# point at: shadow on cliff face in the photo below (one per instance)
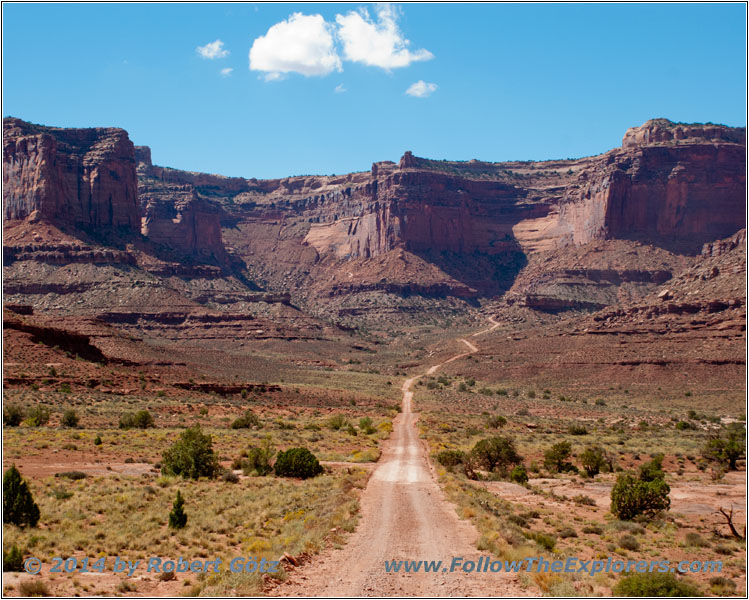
(491, 274)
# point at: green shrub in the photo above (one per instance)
(546, 541)
(13, 559)
(191, 456)
(13, 415)
(496, 454)
(97, 440)
(351, 430)
(258, 459)
(69, 418)
(684, 425)
(595, 529)
(65, 388)
(727, 446)
(33, 588)
(695, 539)
(297, 462)
(519, 475)
(38, 416)
(248, 420)
(722, 586)
(177, 516)
(567, 532)
(642, 585)
(19, 507)
(366, 425)
(555, 458)
(230, 476)
(594, 459)
(583, 500)
(496, 422)
(336, 422)
(450, 458)
(139, 420)
(629, 542)
(578, 430)
(653, 469)
(72, 475)
(644, 495)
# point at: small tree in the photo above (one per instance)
(140, 420)
(727, 447)
(178, 517)
(38, 416)
(13, 559)
(297, 462)
(555, 458)
(496, 422)
(647, 494)
(19, 507)
(336, 422)
(143, 419)
(451, 458)
(653, 469)
(593, 460)
(247, 421)
(496, 454)
(191, 456)
(258, 458)
(13, 415)
(519, 475)
(69, 418)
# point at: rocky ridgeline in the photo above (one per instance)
(477, 225)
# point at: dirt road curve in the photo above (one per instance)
(404, 517)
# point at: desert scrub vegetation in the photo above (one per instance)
(645, 494)
(495, 456)
(128, 516)
(19, 507)
(140, 420)
(297, 462)
(191, 456)
(727, 446)
(248, 420)
(655, 584)
(502, 531)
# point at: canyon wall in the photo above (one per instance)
(471, 226)
(82, 178)
(175, 216)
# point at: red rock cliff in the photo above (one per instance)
(75, 177)
(175, 216)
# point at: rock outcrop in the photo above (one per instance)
(78, 178)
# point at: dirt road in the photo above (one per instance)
(404, 517)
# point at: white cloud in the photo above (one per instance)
(377, 44)
(339, 89)
(421, 89)
(226, 72)
(213, 50)
(302, 44)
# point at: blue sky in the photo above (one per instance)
(493, 81)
